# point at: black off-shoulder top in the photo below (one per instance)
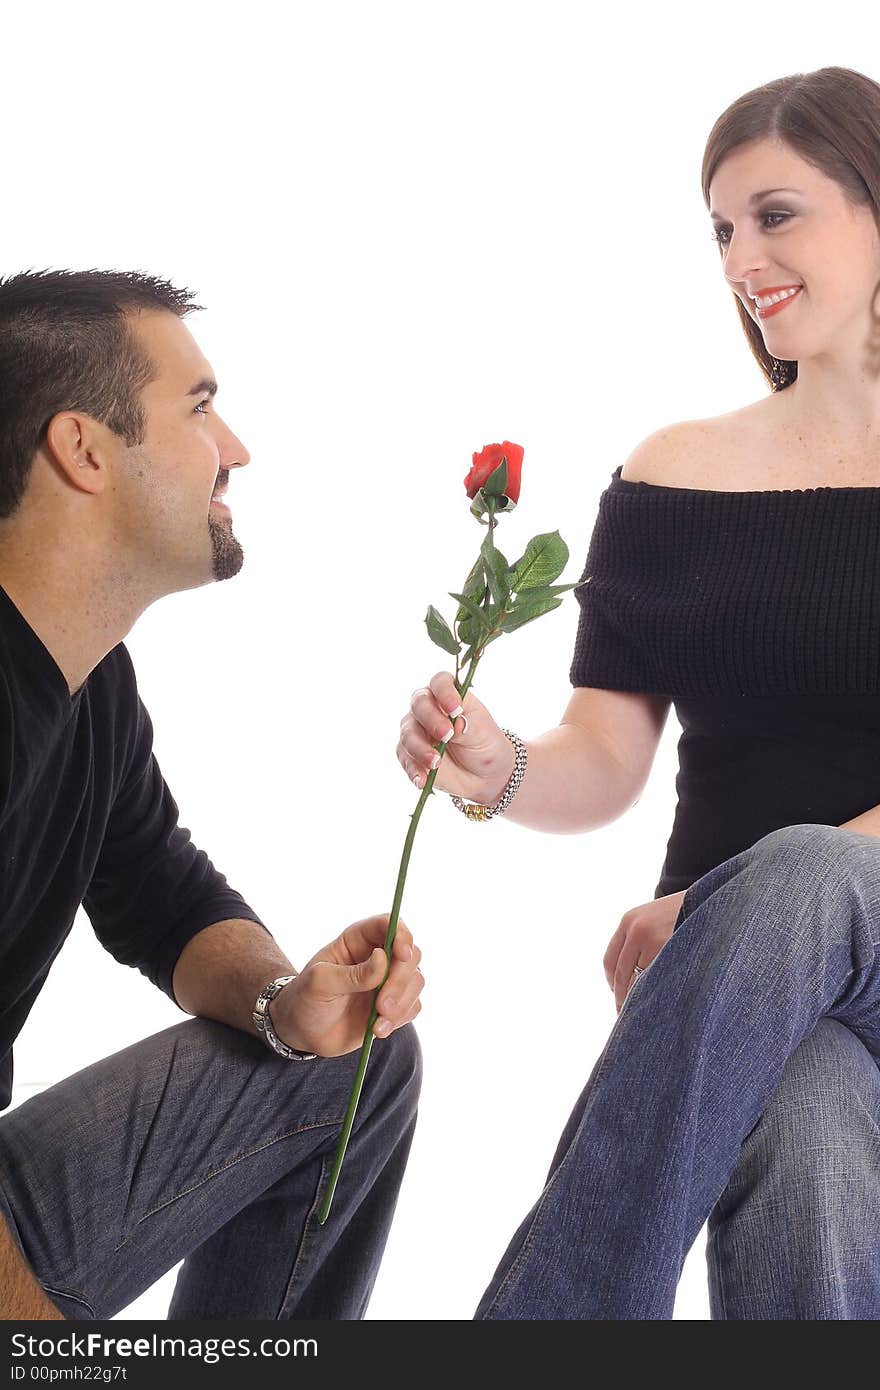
(758, 614)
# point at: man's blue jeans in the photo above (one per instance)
(740, 1085)
(200, 1144)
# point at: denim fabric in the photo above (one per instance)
(759, 1018)
(796, 1233)
(200, 1144)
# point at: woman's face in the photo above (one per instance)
(803, 233)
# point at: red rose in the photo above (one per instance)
(485, 463)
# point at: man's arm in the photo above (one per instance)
(152, 891)
(222, 969)
(21, 1297)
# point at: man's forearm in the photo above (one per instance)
(21, 1295)
(222, 969)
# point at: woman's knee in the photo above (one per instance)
(806, 855)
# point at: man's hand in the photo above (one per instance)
(642, 931)
(325, 1009)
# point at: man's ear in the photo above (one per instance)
(78, 447)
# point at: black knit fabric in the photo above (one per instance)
(758, 614)
(86, 817)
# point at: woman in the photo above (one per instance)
(734, 570)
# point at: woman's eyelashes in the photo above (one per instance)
(721, 233)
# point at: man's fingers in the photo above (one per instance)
(375, 929)
(331, 980)
(399, 993)
(404, 947)
(384, 1026)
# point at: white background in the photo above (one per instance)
(416, 229)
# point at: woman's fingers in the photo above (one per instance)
(624, 975)
(428, 722)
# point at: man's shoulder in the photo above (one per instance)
(117, 716)
(114, 674)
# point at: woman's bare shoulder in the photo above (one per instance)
(690, 453)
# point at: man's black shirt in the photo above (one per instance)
(87, 819)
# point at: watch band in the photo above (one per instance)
(263, 1022)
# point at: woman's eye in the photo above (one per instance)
(198, 409)
(720, 234)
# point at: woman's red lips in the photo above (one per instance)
(780, 303)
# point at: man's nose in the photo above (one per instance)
(233, 452)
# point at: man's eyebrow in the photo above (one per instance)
(208, 384)
(756, 198)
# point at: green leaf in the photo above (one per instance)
(469, 606)
(526, 612)
(475, 584)
(467, 629)
(485, 617)
(475, 590)
(544, 560)
(496, 483)
(479, 505)
(439, 631)
(497, 571)
(547, 591)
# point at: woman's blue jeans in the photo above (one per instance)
(200, 1144)
(740, 1086)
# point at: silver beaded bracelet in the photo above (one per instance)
(474, 811)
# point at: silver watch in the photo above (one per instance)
(263, 1022)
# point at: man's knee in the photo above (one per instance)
(396, 1062)
(240, 1066)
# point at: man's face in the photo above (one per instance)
(164, 491)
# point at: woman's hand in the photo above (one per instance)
(477, 765)
(642, 931)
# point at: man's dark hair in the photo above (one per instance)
(65, 344)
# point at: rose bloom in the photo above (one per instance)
(486, 462)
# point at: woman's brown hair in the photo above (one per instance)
(831, 119)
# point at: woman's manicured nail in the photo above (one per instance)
(454, 713)
(435, 761)
(383, 1027)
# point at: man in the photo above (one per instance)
(211, 1141)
